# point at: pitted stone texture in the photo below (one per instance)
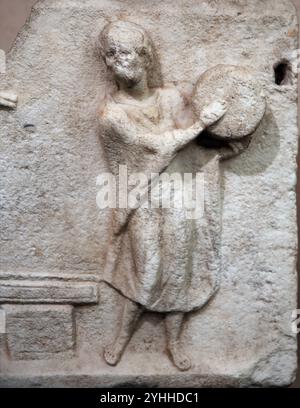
(50, 221)
(39, 332)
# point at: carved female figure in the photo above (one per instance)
(158, 260)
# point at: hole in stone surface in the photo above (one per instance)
(283, 73)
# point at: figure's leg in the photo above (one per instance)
(174, 322)
(130, 316)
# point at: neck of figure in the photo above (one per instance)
(138, 90)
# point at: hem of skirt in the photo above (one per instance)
(150, 308)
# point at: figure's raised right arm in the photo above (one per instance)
(170, 142)
(167, 143)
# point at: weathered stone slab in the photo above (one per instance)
(39, 332)
(32, 292)
(51, 156)
(42, 289)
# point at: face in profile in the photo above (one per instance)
(125, 52)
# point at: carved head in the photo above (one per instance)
(127, 51)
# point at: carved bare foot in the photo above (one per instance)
(180, 359)
(213, 112)
(8, 99)
(113, 353)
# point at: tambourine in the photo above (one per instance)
(237, 86)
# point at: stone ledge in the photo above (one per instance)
(42, 288)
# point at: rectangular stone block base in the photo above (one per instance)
(39, 332)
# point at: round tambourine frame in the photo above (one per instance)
(245, 101)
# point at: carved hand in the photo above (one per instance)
(213, 112)
(8, 99)
(210, 114)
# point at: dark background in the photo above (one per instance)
(13, 14)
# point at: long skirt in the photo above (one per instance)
(167, 260)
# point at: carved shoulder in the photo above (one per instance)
(113, 119)
(109, 114)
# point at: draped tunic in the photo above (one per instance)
(161, 258)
